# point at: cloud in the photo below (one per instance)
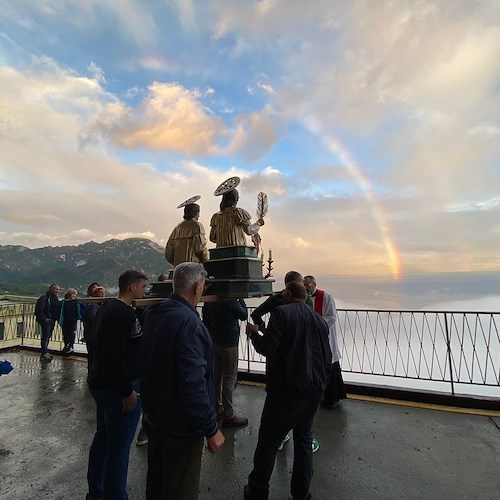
(298, 242)
(123, 236)
(487, 131)
(169, 117)
(255, 133)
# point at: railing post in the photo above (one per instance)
(24, 324)
(248, 353)
(448, 352)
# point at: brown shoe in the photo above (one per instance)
(235, 422)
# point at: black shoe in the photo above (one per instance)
(46, 357)
(249, 494)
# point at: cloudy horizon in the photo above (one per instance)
(372, 126)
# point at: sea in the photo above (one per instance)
(475, 292)
(476, 349)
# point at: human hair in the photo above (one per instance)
(229, 199)
(163, 277)
(69, 292)
(311, 279)
(191, 211)
(296, 291)
(91, 287)
(293, 276)
(128, 278)
(52, 286)
(96, 291)
(186, 275)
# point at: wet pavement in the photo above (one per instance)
(368, 450)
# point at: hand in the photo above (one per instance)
(128, 403)
(251, 329)
(215, 442)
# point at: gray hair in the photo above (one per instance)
(187, 274)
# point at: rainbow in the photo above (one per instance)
(357, 173)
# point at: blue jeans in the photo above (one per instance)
(279, 416)
(110, 449)
(47, 329)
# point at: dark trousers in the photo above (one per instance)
(278, 417)
(90, 353)
(47, 329)
(110, 449)
(173, 466)
(335, 389)
(69, 332)
(225, 377)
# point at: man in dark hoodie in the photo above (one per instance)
(177, 389)
(47, 312)
(298, 366)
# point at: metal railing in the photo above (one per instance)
(452, 351)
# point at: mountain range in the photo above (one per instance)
(28, 271)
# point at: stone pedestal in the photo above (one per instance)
(234, 272)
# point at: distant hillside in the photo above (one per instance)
(27, 271)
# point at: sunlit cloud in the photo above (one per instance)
(298, 242)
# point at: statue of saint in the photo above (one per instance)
(231, 224)
(188, 243)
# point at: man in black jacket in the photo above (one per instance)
(222, 319)
(177, 389)
(295, 344)
(47, 311)
(114, 383)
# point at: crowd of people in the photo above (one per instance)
(179, 372)
(49, 311)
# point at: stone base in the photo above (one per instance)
(230, 252)
(239, 288)
(235, 273)
(222, 288)
(235, 268)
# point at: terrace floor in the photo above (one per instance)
(368, 449)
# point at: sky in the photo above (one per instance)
(373, 126)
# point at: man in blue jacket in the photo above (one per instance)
(47, 311)
(177, 389)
